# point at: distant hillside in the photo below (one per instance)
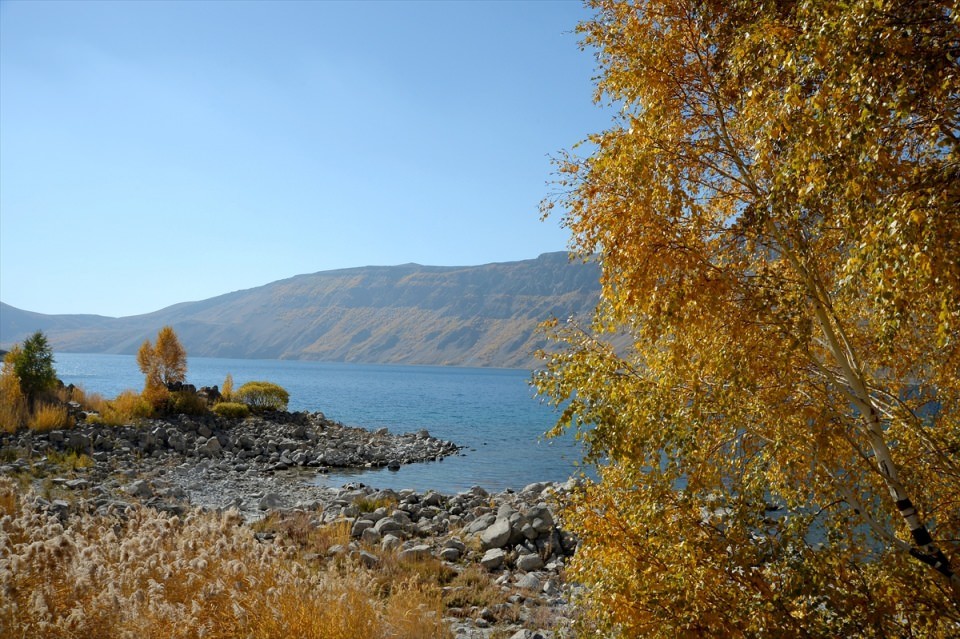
(409, 314)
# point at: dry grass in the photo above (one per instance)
(70, 461)
(49, 417)
(369, 504)
(128, 406)
(150, 575)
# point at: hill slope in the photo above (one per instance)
(409, 314)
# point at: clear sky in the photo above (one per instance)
(161, 152)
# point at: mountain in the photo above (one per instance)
(409, 314)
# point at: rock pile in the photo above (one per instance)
(269, 442)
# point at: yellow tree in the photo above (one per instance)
(775, 211)
(162, 363)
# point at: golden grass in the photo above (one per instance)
(126, 407)
(71, 460)
(369, 504)
(150, 575)
(49, 417)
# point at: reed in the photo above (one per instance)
(151, 575)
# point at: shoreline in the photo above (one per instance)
(260, 468)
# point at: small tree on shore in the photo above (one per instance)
(226, 392)
(162, 363)
(33, 366)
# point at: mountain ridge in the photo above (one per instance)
(406, 314)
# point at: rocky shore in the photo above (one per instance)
(263, 464)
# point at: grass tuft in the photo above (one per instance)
(153, 575)
(49, 417)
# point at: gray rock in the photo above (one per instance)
(529, 582)
(551, 588)
(450, 554)
(359, 526)
(541, 518)
(453, 542)
(139, 488)
(416, 553)
(370, 536)
(369, 559)
(270, 501)
(211, 447)
(388, 525)
(493, 558)
(390, 542)
(497, 535)
(78, 441)
(479, 524)
(529, 562)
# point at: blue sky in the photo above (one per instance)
(161, 152)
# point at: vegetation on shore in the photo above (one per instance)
(32, 397)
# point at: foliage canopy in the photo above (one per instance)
(775, 211)
(162, 363)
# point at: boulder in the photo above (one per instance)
(529, 582)
(388, 525)
(139, 488)
(369, 559)
(479, 524)
(415, 553)
(529, 562)
(370, 537)
(493, 558)
(210, 448)
(390, 542)
(450, 554)
(270, 501)
(497, 535)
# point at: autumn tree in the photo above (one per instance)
(162, 363)
(775, 212)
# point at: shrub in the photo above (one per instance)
(128, 406)
(49, 417)
(187, 403)
(231, 410)
(263, 396)
(369, 504)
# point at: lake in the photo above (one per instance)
(492, 413)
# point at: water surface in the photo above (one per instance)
(492, 413)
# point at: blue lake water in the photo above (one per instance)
(492, 413)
